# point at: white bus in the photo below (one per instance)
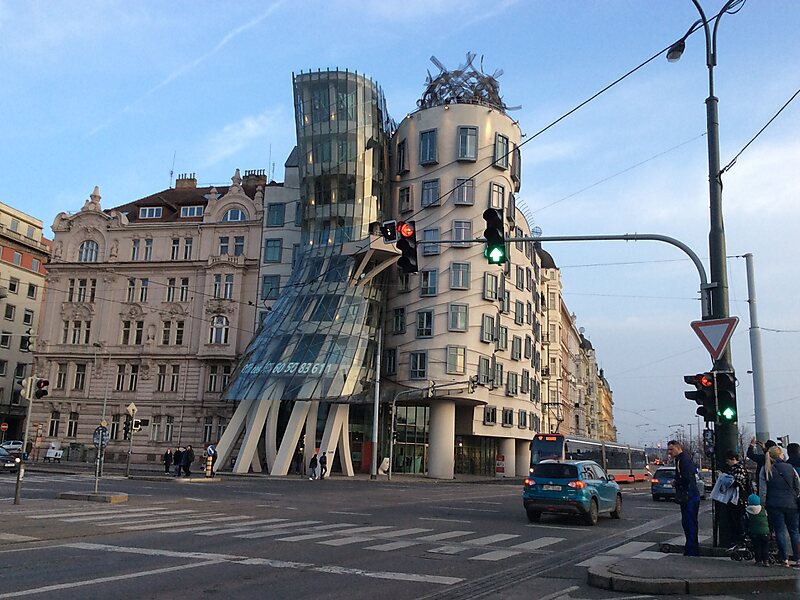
(624, 462)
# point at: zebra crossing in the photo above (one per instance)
(170, 521)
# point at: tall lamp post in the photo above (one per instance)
(726, 431)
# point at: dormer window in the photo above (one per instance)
(235, 214)
(150, 212)
(191, 211)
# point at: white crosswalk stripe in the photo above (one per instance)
(242, 527)
(440, 537)
(392, 546)
(275, 530)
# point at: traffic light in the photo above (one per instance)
(41, 388)
(137, 425)
(495, 251)
(26, 342)
(126, 428)
(18, 389)
(431, 388)
(389, 232)
(704, 394)
(726, 398)
(407, 244)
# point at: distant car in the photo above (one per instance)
(8, 462)
(662, 486)
(576, 487)
(12, 445)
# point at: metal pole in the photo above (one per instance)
(373, 472)
(21, 469)
(391, 436)
(756, 358)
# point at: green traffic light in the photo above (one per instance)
(496, 255)
(729, 413)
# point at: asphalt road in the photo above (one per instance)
(295, 538)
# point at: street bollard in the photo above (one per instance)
(209, 466)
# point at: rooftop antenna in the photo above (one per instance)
(269, 162)
(172, 170)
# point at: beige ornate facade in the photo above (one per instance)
(150, 302)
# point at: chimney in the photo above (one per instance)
(255, 177)
(186, 180)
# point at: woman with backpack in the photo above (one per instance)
(779, 488)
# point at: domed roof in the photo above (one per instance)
(546, 259)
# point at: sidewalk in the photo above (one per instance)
(678, 574)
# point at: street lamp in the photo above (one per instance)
(726, 432)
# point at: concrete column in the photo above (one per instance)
(523, 458)
(441, 453)
(508, 448)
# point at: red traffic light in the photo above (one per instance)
(404, 229)
(705, 380)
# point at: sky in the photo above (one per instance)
(121, 94)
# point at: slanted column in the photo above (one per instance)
(441, 452)
(523, 458)
(508, 448)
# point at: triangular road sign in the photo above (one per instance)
(715, 334)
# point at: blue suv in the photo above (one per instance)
(576, 487)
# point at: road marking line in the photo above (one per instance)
(448, 549)
(150, 526)
(106, 517)
(438, 537)
(13, 537)
(560, 593)
(276, 530)
(486, 510)
(344, 512)
(392, 546)
(630, 548)
(312, 536)
(490, 539)
(209, 559)
(539, 543)
(410, 531)
(445, 520)
(121, 512)
(346, 541)
(481, 502)
(537, 526)
(241, 527)
(495, 555)
(75, 584)
(181, 529)
(365, 529)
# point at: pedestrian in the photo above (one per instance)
(758, 529)
(687, 495)
(793, 450)
(177, 460)
(186, 460)
(167, 460)
(323, 465)
(743, 487)
(298, 462)
(758, 457)
(779, 489)
(312, 467)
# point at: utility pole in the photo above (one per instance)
(28, 395)
(757, 364)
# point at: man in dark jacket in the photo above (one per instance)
(187, 459)
(177, 460)
(167, 460)
(793, 450)
(758, 457)
(323, 465)
(687, 495)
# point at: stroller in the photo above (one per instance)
(744, 550)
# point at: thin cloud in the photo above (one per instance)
(191, 65)
(236, 136)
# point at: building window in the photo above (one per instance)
(17, 258)
(155, 428)
(161, 379)
(275, 214)
(139, 333)
(133, 378)
(55, 421)
(272, 250)
(238, 245)
(497, 196)
(191, 211)
(456, 360)
(467, 143)
(14, 225)
(144, 284)
(404, 200)
(508, 417)
(519, 313)
(88, 251)
(430, 193)
(32, 290)
(427, 147)
(226, 376)
(404, 284)
(169, 427)
(464, 192)
(35, 264)
(13, 285)
(424, 323)
(489, 286)
(402, 157)
(227, 290)
(498, 375)
(418, 362)
(516, 347)
(184, 290)
(187, 248)
(10, 311)
(520, 278)
(80, 377)
(5, 338)
(390, 361)
(462, 230)
(428, 282)
(169, 296)
(234, 214)
(483, 370)
(175, 252)
(458, 317)
(219, 330)
(270, 286)
(135, 250)
(528, 346)
(428, 235)
(487, 329)
(148, 249)
(131, 293)
(223, 245)
(72, 425)
(150, 212)
(113, 433)
(211, 380)
(525, 385)
(208, 429)
(174, 379)
(179, 333)
(489, 415)
(502, 338)
(459, 276)
(500, 151)
(399, 320)
(61, 376)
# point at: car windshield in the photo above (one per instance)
(555, 471)
(4, 452)
(664, 473)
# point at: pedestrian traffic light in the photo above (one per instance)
(41, 388)
(407, 244)
(704, 394)
(126, 428)
(726, 398)
(495, 251)
(137, 425)
(389, 231)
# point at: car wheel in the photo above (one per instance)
(534, 516)
(617, 512)
(590, 518)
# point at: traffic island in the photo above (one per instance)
(106, 497)
(673, 575)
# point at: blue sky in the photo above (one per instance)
(106, 93)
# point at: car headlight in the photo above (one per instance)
(17, 460)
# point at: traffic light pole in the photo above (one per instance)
(21, 470)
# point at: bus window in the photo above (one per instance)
(546, 447)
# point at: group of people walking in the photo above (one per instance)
(321, 462)
(772, 506)
(181, 458)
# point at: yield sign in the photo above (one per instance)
(715, 334)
